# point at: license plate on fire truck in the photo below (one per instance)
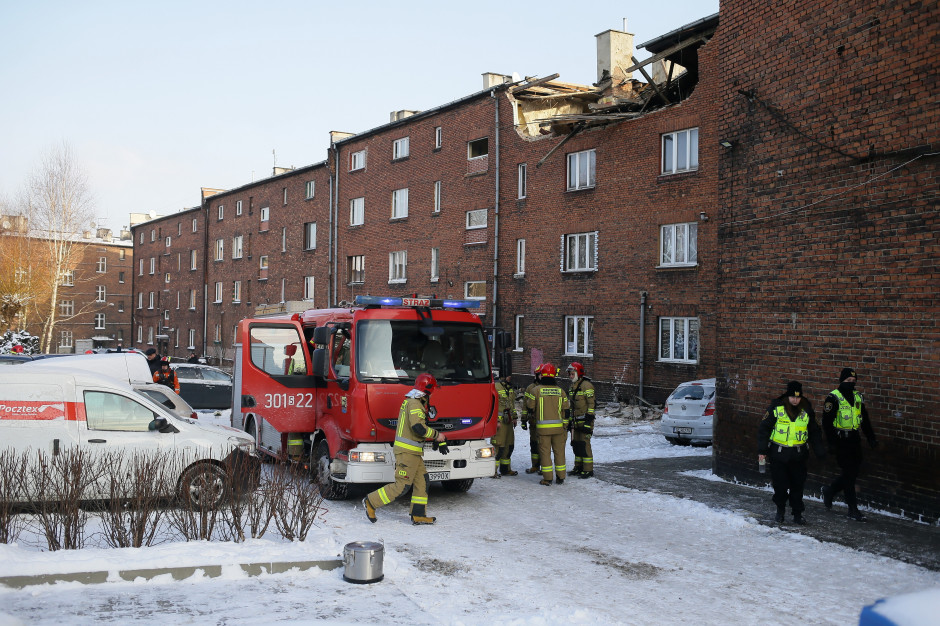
(438, 475)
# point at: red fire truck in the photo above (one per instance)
(324, 387)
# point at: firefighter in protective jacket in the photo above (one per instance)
(550, 404)
(581, 394)
(411, 433)
(505, 438)
(166, 376)
(528, 419)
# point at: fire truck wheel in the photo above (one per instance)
(459, 486)
(203, 486)
(329, 488)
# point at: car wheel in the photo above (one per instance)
(204, 486)
(330, 489)
(457, 486)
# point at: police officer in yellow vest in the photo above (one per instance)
(788, 428)
(550, 404)
(505, 438)
(581, 397)
(411, 433)
(844, 413)
(528, 419)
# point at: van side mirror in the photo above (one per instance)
(162, 425)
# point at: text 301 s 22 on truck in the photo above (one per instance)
(324, 387)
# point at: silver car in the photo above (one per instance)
(688, 416)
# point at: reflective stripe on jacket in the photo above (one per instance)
(787, 432)
(506, 400)
(549, 403)
(849, 416)
(406, 440)
(582, 400)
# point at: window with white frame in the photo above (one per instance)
(192, 339)
(310, 189)
(263, 263)
(478, 148)
(265, 215)
(400, 148)
(238, 207)
(151, 300)
(100, 293)
(102, 266)
(193, 259)
(218, 333)
(218, 292)
(438, 137)
(140, 299)
(678, 339)
(65, 339)
(192, 299)
(168, 241)
(68, 278)
(581, 166)
(178, 300)
(179, 231)
(237, 242)
(310, 236)
(397, 266)
(221, 211)
(476, 219)
(680, 151)
(176, 343)
(195, 224)
(120, 306)
(284, 239)
(309, 284)
(99, 321)
(66, 308)
(121, 277)
(153, 235)
(219, 249)
(678, 245)
(435, 264)
(283, 289)
(140, 271)
(520, 326)
(121, 254)
(579, 252)
(166, 315)
(400, 203)
(153, 265)
(520, 257)
(140, 240)
(437, 196)
(357, 160)
(522, 182)
(285, 196)
(474, 290)
(166, 278)
(140, 334)
(237, 291)
(356, 269)
(579, 335)
(357, 210)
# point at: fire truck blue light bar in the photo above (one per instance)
(389, 301)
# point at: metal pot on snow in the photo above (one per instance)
(363, 562)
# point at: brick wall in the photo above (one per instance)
(827, 229)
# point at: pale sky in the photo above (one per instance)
(159, 99)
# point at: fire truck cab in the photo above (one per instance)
(324, 387)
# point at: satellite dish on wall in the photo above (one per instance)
(152, 214)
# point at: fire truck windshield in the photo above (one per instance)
(394, 350)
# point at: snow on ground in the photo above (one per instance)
(507, 552)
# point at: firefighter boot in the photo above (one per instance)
(496, 474)
(510, 472)
(588, 474)
(779, 516)
(827, 497)
(798, 519)
(533, 470)
(419, 520)
(370, 510)
(547, 483)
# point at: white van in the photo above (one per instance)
(65, 409)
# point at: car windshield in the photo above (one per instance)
(397, 351)
(693, 392)
(157, 397)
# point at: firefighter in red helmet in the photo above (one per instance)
(411, 433)
(581, 396)
(528, 419)
(166, 376)
(550, 404)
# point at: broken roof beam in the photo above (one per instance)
(533, 83)
(691, 41)
(652, 83)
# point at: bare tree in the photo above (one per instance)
(58, 206)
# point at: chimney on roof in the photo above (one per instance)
(103, 233)
(614, 53)
(492, 79)
(394, 116)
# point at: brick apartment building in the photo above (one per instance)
(828, 222)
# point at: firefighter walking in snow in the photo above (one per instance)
(581, 394)
(166, 376)
(528, 423)
(550, 404)
(411, 433)
(789, 427)
(505, 438)
(844, 413)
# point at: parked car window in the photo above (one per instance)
(692, 392)
(216, 375)
(188, 372)
(109, 411)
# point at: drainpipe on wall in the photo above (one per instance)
(496, 208)
(205, 280)
(642, 343)
(334, 218)
(330, 295)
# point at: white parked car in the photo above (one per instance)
(689, 414)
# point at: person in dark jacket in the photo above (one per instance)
(785, 433)
(844, 414)
(153, 360)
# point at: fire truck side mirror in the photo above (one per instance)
(321, 336)
(321, 368)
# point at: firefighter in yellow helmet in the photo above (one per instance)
(505, 438)
(411, 433)
(550, 405)
(581, 396)
(528, 419)
(785, 433)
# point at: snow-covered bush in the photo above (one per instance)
(13, 338)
